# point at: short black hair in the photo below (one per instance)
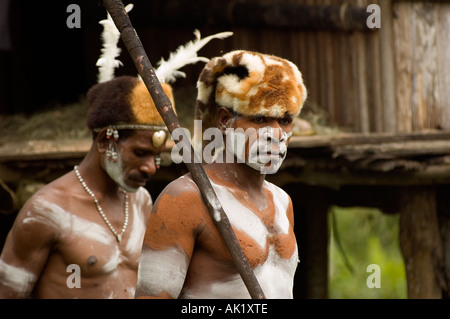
(108, 102)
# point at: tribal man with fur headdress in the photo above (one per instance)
(247, 97)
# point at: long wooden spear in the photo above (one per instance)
(136, 50)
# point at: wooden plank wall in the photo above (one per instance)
(341, 69)
(422, 60)
(392, 79)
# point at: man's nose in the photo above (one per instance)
(148, 166)
(275, 131)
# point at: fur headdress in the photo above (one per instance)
(124, 102)
(251, 84)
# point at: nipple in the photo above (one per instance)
(92, 260)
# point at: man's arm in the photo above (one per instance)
(169, 241)
(25, 251)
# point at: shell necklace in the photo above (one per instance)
(100, 210)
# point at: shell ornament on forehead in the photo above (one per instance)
(158, 138)
(123, 102)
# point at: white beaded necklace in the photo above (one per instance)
(100, 210)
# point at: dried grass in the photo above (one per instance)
(61, 122)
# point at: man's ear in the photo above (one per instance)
(102, 141)
(224, 118)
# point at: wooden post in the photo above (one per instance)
(420, 243)
(443, 208)
(317, 250)
(403, 66)
(362, 105)
(311, 228)
(443, 52)
(361, 73)
(387, 68)
(420, 66)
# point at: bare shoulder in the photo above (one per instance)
(59, 191)
(45, 211)
(181, 186)
(144, 202)
(181, 194)
(143, 198)
(177, 216)
(282, 201)
(35, 229)
(278, 193)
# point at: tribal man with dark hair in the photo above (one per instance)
(81, 235)
(90, 222)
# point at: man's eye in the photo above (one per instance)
(285, 121)
(141, 153)
(259, 120)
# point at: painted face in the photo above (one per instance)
(135, 160)
(260, 142)
(269, 150)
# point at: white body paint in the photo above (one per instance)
(268, 150)
(115, 171)
(264, 148)
(66, 223)
(281, 203)
(74, 230)
(245, 220)
(19, 279)
(138, 226)
(241, 217)
(165, 270)
(162, 270)
(275, 277)
(276, 274)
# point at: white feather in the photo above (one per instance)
(168, 71)
(107, 62)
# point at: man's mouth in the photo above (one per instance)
(139, 181)
(272, 154)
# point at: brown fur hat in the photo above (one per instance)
(251, 84)
(124, 103)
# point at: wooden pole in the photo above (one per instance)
(421, 244)
(136, 50)
(388, 75)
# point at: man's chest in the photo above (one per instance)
(257, 230)
(92, 246)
